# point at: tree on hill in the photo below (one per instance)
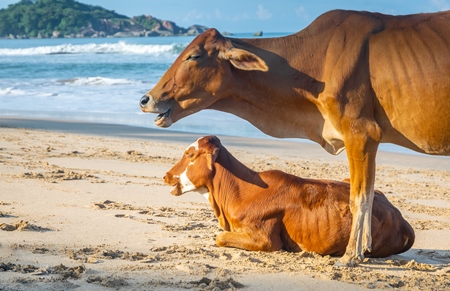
(43, 17)
(58, 18)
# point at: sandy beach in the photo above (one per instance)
(83, 207)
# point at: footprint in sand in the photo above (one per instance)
(22, 225)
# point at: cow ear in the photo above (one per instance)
(211, 158)
(245, 60)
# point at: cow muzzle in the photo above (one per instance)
(148, 104)
(144, 101)
(176, 190)
(174, 181)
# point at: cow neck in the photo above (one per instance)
(292, 61)
(287, 93)
(231, 181)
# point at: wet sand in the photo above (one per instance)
(83, 206)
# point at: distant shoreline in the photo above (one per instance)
(414, 160)
(86, 37)
(224, 33)
(116, 35)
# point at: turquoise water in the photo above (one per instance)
(101, 80)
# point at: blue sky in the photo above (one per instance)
(254, 15)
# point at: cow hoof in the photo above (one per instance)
(347, 262)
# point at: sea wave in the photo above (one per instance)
(97, 81)
(11, 91)
(14, 92)
(94, 48)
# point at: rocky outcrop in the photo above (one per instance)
(169, 28)
(69, 18)
(106, 28)
(195, 29)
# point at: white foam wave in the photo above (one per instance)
(97, 81)
(11, 91)
(93, 48)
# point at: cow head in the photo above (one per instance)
(199, 77)
(196, 167)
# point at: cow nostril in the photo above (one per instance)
(144, 101)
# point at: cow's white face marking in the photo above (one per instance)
(194, 144)
(186, 184)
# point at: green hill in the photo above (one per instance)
(69, 18)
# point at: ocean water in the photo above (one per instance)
(101, 80)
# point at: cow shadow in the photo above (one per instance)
(425, 256)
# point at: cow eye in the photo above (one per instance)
(192, 57)
(189, 155)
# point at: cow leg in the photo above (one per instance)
(361, 155)
(251, 242)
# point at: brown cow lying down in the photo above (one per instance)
(272, 210)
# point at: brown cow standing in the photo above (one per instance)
(350, 79)
(272, 210)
